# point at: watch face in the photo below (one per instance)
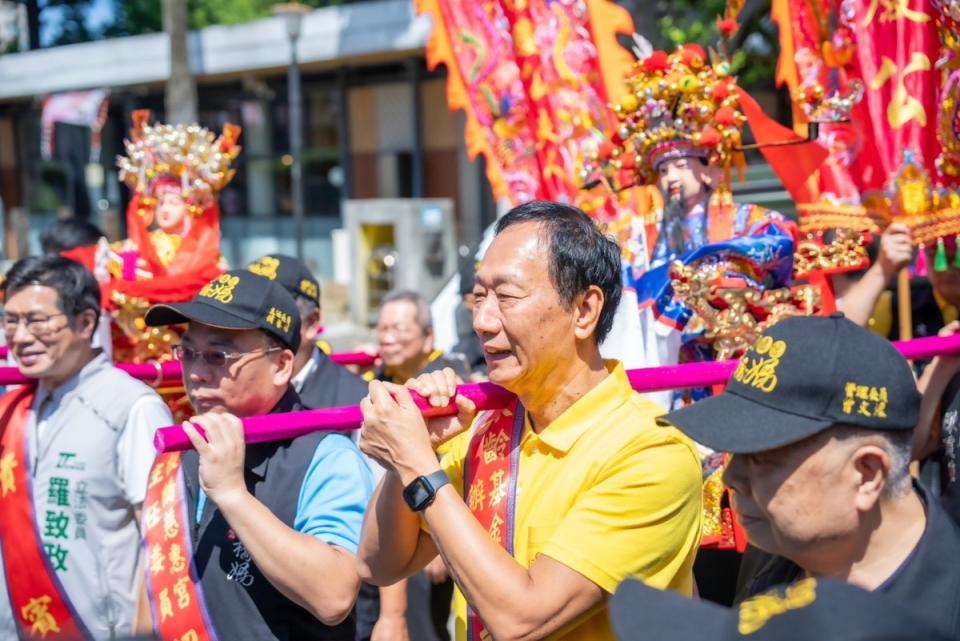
(417, 494)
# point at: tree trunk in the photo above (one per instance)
(181, 93)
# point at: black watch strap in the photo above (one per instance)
(420, 493)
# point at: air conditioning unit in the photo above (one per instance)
(398, 243)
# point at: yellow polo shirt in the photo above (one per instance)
(607, 492)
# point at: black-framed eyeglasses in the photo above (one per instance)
(213, 357)
(36, 324)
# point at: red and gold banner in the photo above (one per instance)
(490, 483)
(41, 608)
(890, 48)
(534, 80)
(176, 600)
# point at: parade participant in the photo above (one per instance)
(937, 436)
(255, 525)
(322, 383)
(680, 132)
(69, 233)
(544, 507)
(405, 339)
(822, 609)
(819, 472)
(318, 380)
(76, 450)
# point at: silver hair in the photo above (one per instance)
(897, 443)
(424, 318)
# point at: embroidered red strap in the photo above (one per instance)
(39, 604)
(176, 598)
(490, 483)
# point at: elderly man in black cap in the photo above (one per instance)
(275, 526)
(821, 609)
(321, 383)
(819, 416)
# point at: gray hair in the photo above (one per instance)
(897, 444)
(424, 318)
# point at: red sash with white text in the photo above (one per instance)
(173, 585)
(490, 484)
(40, 606)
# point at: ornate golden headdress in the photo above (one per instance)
(679, 104)
(188, 156)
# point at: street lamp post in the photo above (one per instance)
(292, 13)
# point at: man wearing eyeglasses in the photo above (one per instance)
(272, 528)
(75, 452)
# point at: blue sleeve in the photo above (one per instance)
(335, 493)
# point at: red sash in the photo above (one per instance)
(490, 484)
(173, 586)
(39, 604)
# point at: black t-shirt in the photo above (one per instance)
(927, 581)
(949, 453)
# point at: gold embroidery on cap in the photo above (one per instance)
(308, 288)
(864, 400)
(758, 367)
(266, 267)
(221, 288)
(755, 612)
(278, 319)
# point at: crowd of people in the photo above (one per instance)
(563, 515)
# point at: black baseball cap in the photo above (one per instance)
(237, 299)
(803, 375)
(290, 272)
(821, 609)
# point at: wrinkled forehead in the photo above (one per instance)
(518, 254)
(32, 297)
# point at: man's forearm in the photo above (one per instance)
(384, 560)
(510, 603)
(860, 300)
(293, 561)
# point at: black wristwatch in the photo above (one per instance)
(423, 489)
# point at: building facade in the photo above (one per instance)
(376, 125)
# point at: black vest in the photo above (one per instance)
(242, 602)
(331, 385)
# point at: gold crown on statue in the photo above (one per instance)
(188, 157)
(677, 105)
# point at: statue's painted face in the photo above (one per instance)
(171, 211)
(687, 178)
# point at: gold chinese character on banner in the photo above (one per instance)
(7, 482)
(37, 613)
(892, 10)
(495, 446)
(495, 525)
(169, 492)
(166, 607)
(157, 561)
(177, 561)
(498, 489)
(180, 589)
(170, 526)
(903, 107)
(477, 495)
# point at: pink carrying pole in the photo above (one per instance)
(275, 427)
(153, 373)
(171, 371)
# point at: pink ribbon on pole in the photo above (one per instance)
(170, 371)
(487, 396)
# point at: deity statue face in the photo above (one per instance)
(171, 211)
(688, 178)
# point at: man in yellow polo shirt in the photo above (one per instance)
(541, 509)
